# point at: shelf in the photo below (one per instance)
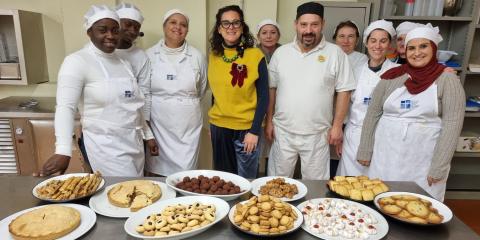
(473, 73)
(466, 182)
(467, 154)
(472, 114)
(430, 18)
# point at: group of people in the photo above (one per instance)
(295, 96)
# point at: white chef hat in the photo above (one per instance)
(428, 31)
(128, 10)
(174, 11)
(97, 12)
(267, 22)
(379, 24)
(405, 27)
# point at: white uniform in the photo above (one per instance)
(176, 119)
(409, 129)
(110, 103)
(366, 82)
(142, 71)
(305, 85)
(357, 59)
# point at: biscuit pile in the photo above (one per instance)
(206, 185)
(264, 215)
(177, 219)
(70, 188)
(359, 188)
(411, 209)
(279, 188)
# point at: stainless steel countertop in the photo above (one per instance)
(17, 195)
(9, 107)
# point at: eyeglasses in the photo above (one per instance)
(226, 24)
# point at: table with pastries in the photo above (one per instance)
(17, 195)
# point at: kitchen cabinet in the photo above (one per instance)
(27, 136)
(22, 48)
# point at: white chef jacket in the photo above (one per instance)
(81, 83)
(357, 59)
(305, 84)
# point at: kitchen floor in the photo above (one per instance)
(467, 210)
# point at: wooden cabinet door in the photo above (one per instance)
(43, 140)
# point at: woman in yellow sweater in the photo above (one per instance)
(238, 77)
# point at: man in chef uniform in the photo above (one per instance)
(131, 20)
(305, 75)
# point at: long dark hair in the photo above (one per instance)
(216, 39)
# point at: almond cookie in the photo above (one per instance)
(418, 209)
(435, 218)
(386, 201)
(391, 209)
(417, 220)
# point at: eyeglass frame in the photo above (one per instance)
(231, 24)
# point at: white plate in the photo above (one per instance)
(442, 208)
(302, 189)
(139, 217)
(63, 177)
(382, 225)
(243, 183)
(296, 224)
(100, 204)
(87, 220)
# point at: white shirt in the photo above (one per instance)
(305, 84)
(81, 83)
(357, 59)
(142, 71)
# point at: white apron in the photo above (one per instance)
(367, 80)
(176, 117)
(114, 141)
(405, 139)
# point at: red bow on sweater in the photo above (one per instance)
(239, 73)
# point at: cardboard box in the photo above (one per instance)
(10, 71)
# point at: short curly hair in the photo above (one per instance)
(216, 39)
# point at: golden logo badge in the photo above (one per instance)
(322, 58)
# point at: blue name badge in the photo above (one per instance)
(405, 104)
(170, 77)
(128, 94)
(366, 100)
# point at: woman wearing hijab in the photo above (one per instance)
(414, 118)
(402, 30)
(105, 90)
(377, 38)
(131, 20)
(268, 34)
(238, 77)
(346, 36)
(178, 84)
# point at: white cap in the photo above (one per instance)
(97, 12)
(128, 10)
(428, 31)
(379, 24)
(405, 27)
(174, 11)
(267, 22)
